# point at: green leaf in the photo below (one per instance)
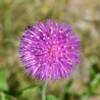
(85, 97)
(31, 92)
(69, 87)
(3, 82)
(2, 96)
(95, 83)
(51, 97)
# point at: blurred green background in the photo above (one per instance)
(83, 15)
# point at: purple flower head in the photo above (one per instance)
(49, 50)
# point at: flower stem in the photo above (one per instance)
(44, 90)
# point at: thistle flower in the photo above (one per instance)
(49, 50)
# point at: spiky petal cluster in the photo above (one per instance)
(49, 50)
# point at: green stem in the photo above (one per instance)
(44, 90)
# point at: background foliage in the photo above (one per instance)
(84, 15)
